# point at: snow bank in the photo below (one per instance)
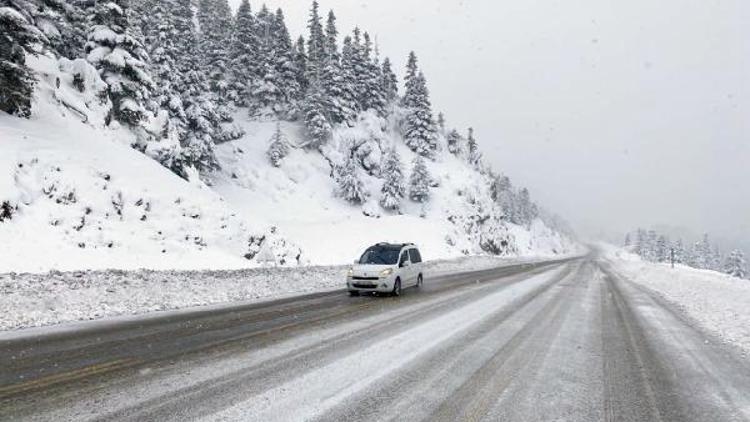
(719, 303)
(33, 300)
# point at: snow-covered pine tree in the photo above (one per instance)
(650, 251)
(502, 193)
(317, 126)
(300, 60)
(338, 86)
(441, 122)
(419, 181)
(662, 249)
(278, 148)
(286, 67)
(394, 189)
(315, 44)
(266, 95)
(157, 28)
(215, 19)
(61, 23)
(627, 241)
(244, 59)
(474, 156)
(121, 61)
(371, 93)
(411, 99)
(716, 259)
(330, 46)
(389, 81)
(277, 91)
(16, 80)
(74, 31)
(735, 264)
(201, 128)
(679, 252)
(455, 142)
(639, 245)
(420, 134)
(703, 253)
(349, 185)
(527, 210)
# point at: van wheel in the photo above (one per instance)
(397, 288)
(419, 281)
(353, 293)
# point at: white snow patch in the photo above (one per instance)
(719, 303)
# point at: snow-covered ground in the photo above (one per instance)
(83, 199)
(33, 300)
(719, 303)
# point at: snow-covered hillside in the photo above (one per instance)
(128, 155)
(82, 198)
(299, 198)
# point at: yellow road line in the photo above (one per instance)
(73, 375)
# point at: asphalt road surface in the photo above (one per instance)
(558, 341)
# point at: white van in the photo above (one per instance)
(386, 268)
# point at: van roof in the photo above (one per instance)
(393, 245)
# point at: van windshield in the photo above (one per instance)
(380, 255)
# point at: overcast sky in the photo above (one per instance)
(614, 113)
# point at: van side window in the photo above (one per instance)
(415, 256)
(404, 258)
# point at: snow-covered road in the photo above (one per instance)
(535, 342)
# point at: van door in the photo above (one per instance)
(413, 269)
(405, 269)
(416, 263)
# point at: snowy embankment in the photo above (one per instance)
(34, 300)
(718, 303)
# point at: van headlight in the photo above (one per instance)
(386, 272)
(350, 272)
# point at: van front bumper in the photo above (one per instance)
(382, 285)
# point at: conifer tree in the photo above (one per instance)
(330, 46)
(662, 249)
(679, 252)
(350, 187)
(389, 81)
(278, 148)
(300, 60)
(16, 79)
(420, 134)
(372, 96)
(316, 123)
(337, 82)
(286, 65)
(455, 142)
(394, 189)
(475, 156)
(245, 55)
(121, 60)
(502, 193)
(735, 264)
(441, 122)
(411, 95)
(215, 18)
(315, 44)
(419, 181)
(201, 128)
